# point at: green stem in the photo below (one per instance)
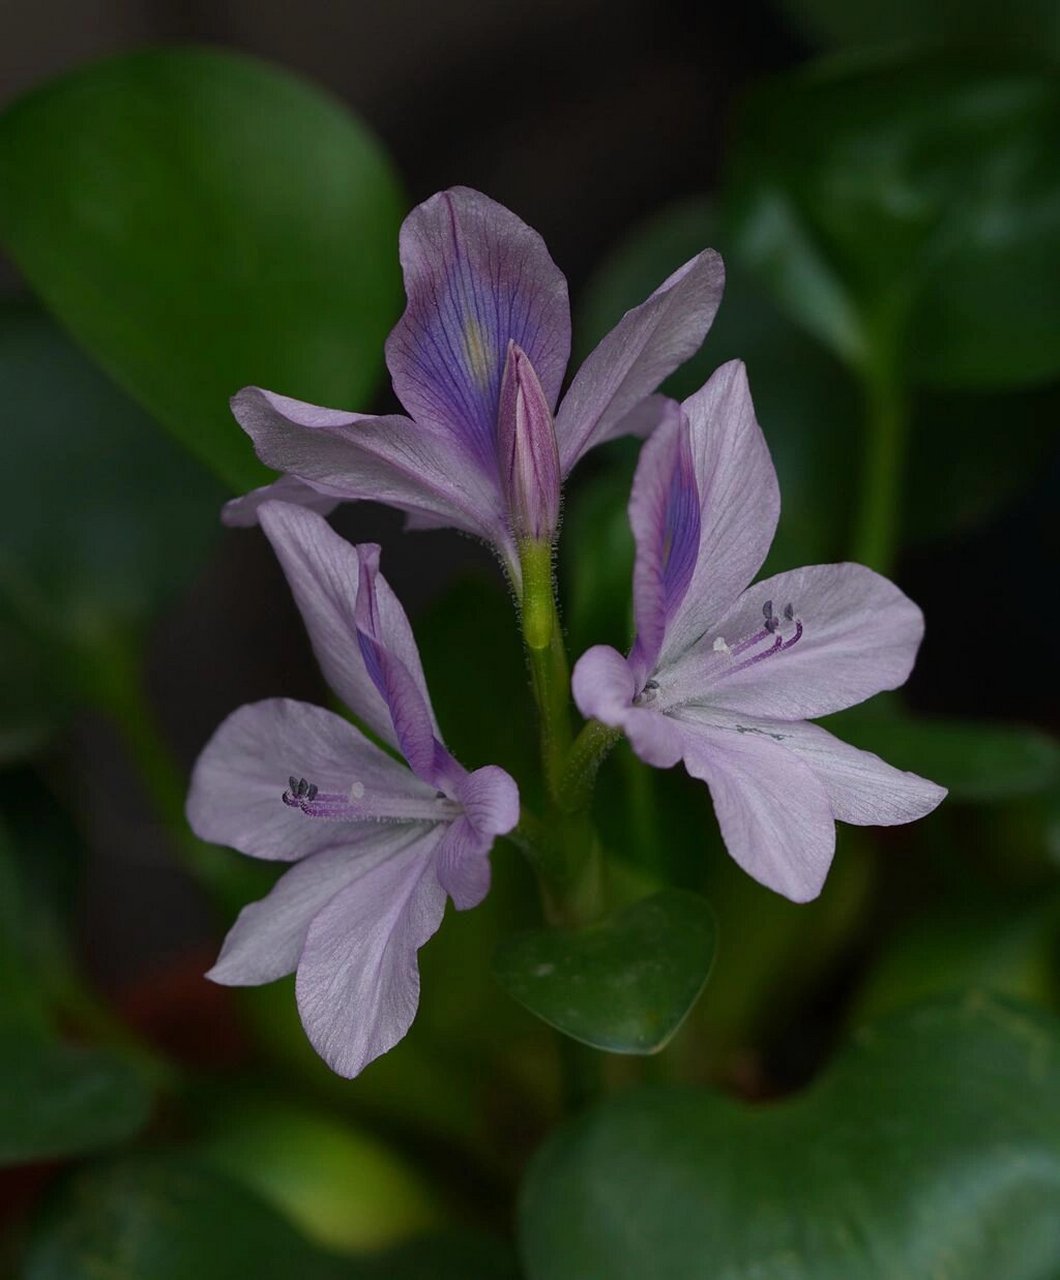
(879, 512)
(547, 657)
(582, 764)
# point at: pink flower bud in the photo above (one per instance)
(527, 452)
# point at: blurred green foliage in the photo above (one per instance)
(200, 222)
(931, 1146)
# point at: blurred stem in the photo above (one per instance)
(582, 765)
(117, 686)
(887, 425)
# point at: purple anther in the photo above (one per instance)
(789, 612)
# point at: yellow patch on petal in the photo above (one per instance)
(479, 356)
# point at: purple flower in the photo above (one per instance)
(725, 676)
(481, 451)
(377, 845)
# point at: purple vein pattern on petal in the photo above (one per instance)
(774, 812)
(267, 938)
(358, 980)
(664, 512)
(324, 573)
(639, 353)
(393, 460)
(857, 634)
(239, 779)
(739, 499)
(476, 277)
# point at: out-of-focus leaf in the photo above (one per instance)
(342, 1188)
(986, 444)
(1009, 953)
(907, 211)
(102, 518)
(168, 1217)
(61, 1100)
(932, 1146)
(200, 221)
(977, 760)
(1027, 24)
(624, 985)
(448, 1256)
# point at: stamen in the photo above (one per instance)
(789, 612)
(795, 638)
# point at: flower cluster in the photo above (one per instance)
(722, 675)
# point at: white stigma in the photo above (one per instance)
(721, 646)
(357, 791)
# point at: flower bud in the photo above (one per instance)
(527, 451)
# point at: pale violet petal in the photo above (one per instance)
(664, 513)
(603, 684)
(640, 352)
(862, 789)
(237, 786)
(267, 938)
(392, 460)
(491, 808)
(243, 512)
(773, 811)
(324, 572)
(851, 634)
(739, 501)
(477, 278)
(358, 979)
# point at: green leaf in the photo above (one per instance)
(1008, 952)
(1029, 24)
(907, 211)
(103, 519)
(931, 1147)
(343, 1188)
(201, 221)
(167, 1217)
(624, 985)
(61, 1100)
(977, 760)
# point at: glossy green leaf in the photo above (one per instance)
(200, 221)
(906, 212)
(62, 1100)
(977, 760)
(167, 1217)
(624, 985)
(931, 1147)
(1026, 24)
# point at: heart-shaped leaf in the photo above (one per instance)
(624, 985)
(905, 211)
(930, 1148)
(200, 221)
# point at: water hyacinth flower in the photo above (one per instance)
(478, 359)
(724, 676)
(377, 845)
